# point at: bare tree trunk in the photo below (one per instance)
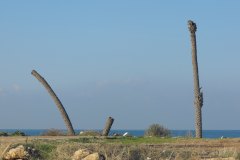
(57, 102)
(108, 126)
(198, 95)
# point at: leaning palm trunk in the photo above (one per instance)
(198, 95)
(57, 102)
(108, 126)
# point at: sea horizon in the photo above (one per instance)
(140, 132)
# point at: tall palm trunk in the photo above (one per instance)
(57, 102)
(198, 95)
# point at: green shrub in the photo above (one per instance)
(157, 130)
(18, 133)
(3, 134)
(45, 150)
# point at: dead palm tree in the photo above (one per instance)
(198, 95)
(108, 126)
(57, 102)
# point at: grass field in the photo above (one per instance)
(129, 148)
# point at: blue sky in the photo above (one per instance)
(127, 59)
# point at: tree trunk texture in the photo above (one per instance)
(57, 102)
(108, 126)
(198, 95)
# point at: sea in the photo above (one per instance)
(139, 133)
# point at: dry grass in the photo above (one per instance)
(53, 132)
(63, 147)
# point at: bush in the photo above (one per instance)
(53, 132)
(3, 134)
(18, 133)
(157, 130)
(42, 151)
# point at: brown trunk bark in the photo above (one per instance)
(198, 96)
(108, 126)
(57, 102)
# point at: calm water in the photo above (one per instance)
(174, 133)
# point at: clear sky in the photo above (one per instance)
(129, 59)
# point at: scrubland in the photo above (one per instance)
(129, 148)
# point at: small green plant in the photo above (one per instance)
(45, 150)
(3, 134)
(18, 133)
(32, 152)
(157, 130)
(53, 132)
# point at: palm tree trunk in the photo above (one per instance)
(57, 102)
(108, 126)
(198, 95)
